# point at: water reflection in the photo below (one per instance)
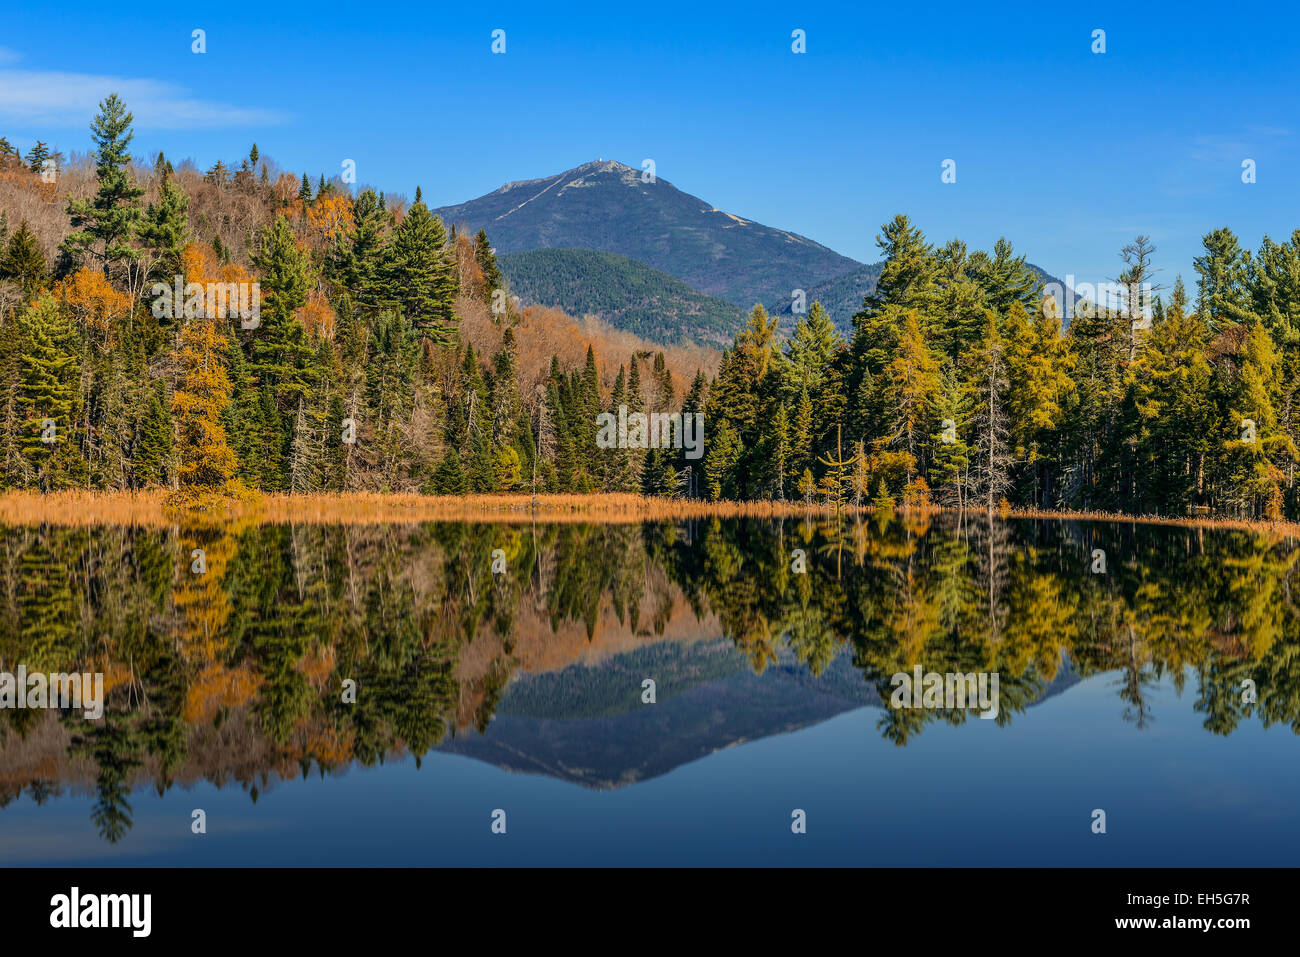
(238, 674)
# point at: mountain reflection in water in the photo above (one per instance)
(237, 675)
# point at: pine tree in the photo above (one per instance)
(780, 453)
(1039, 366)
(105, 226)
(152, 459)
(1224, 273)
(720, 461)
(49, 369)
(801, 440)
(218, 175)
(1170, 413)
(281, 356)
(357, 257)
(1274, 278)
(487, 264)
(949, 450)
(1005, 279)
(1257, 450)
(812, 348)
(910, 387)
(37, 156)
(807, 486)
(24, 261)
(480, 464)
(663, 381)
(421, 274)
(165, 229)
(839, 471)
(962, 301)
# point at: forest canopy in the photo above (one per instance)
(957, 386)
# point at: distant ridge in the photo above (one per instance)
(604, 205)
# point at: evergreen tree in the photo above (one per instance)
(37, 156)
(356, 259)
(949, 450)
(105, 226)
(421, 274)
(487, 263)
(24, 262)
(49, 369)
(910, 386)
(165, 228)
(1005, 279)
(153, 454)
(218, 175)
(1224, 272)
(281, 356)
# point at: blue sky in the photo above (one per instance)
(1067, 153)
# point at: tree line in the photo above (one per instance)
(957, 386)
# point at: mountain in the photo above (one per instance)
(605, 206)
(655, 233)
(841, 297)
(588, 725)
(625, 293)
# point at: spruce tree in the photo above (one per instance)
(23, 262)
(357, 257)
(37, 156)
(487, 263)
(281, 356)
(49, 370)
(421, 274)
(1224, 272)
(152, 461)
(165, 229)
(105, 225)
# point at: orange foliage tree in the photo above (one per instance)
(206, 460)
(92, 303)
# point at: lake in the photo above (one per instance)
(709, 692)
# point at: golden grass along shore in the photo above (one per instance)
(156, 509)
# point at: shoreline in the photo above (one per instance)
(152, 509)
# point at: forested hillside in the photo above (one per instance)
(385, 353)
(625, 293)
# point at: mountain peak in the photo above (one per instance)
(602, 165)
(604, 205)
(569, 176)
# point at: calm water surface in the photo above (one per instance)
(1164, 690)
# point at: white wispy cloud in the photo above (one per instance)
(1215, 149)
(52, 98)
